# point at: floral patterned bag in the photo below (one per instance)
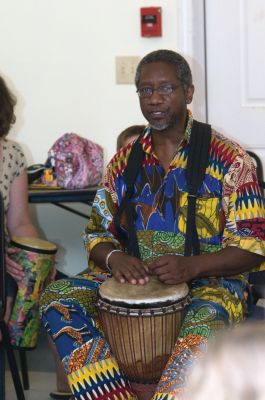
(78, 162)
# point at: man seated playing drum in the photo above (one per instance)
(230, 220)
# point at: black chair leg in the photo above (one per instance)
(2, 372)
(12, 361)
(24, 368)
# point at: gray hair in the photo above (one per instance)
(182, 68)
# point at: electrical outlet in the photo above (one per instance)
(125, 69)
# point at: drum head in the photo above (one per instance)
(33, 244)
(152, 293)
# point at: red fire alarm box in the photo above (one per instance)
(151, 21)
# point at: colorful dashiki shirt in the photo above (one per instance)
(229, 211)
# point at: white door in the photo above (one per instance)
(235, 60)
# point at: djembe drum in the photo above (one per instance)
(37, 258)
(141, 323)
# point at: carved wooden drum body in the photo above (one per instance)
(141, 324)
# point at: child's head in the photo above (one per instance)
(129, 134)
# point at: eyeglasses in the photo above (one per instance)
(163, 90)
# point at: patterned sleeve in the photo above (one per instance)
(100, 227)
(244, 207)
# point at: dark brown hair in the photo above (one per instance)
(134, 130)
(7, 104)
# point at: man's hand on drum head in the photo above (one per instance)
(172, 269)
(129, 269)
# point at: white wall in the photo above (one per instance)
(59, 58)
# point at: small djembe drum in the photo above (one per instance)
(37, 257)
(141, 324)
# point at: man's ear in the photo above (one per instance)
(189, 94)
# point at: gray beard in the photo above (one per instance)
(159, 127)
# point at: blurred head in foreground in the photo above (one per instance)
(233, 368)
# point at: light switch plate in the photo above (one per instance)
(125, 69)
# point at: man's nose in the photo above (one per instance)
(156, 96)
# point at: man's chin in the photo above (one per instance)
(159, 127)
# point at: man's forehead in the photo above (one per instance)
(159, 69)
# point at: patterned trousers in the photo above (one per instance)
(68, 313)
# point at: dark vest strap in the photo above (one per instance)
(133, 166)
(198, 159)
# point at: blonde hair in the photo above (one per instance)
(233, 368)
